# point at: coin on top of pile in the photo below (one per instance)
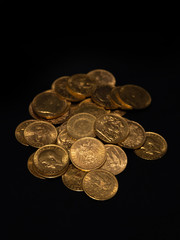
(49, 105)
(154, 147)
(39, 133)
(102, 77)
(88, 153)
(51, 161)
(31, 167)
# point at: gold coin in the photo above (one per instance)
(73, 177)
(115, 98)
(60, 86)
(101, 96)
(154, 147)
(51, 160)
(100, 184)
(63, 139)
(116, 159)
(102, 77)
(111, 128)
(40, 133)
(80, 86)
(49, 105)
(81, 125)
(136, 136)
(19, 132)
(31, 168)
(135, 96)
(87, 153)
(119, 112)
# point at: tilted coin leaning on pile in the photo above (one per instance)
(86, 146)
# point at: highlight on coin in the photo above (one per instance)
(79, 133)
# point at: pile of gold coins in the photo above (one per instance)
(86, 146)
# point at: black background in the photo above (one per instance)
(146, 205)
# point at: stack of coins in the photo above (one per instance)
(86, 146)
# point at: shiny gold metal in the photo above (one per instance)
(49, 105)
(135, 96)
(136, 136)
(102, 77)
(81, 125)
(80, 86)
(19, 132)
(73, 177)
(116, 159)
(154, 147)
(31, 167)
(100, 184)
(51, 161)
(111, 128)
(40, 133)
(88, 153)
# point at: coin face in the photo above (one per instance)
(101, 96)
(100, 184)
(154, 147)
(51, 160)
(73, 177)
(116, 159)
(60, 86)
(88, 153)
(80, 86)
(135, 96)
(19, 132)
(111, 128)
(136, 136)
(81, 125)
(49, 105)
(102, 77)
(40, 133)
(32, 169)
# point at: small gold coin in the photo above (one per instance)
(116, 159)
(81, 125)
(102, 77)
(135, 96)
(88, 153)
(49, 105)
(31, 167)
(100, 184)
(101, 96)
(111, 128)
(19, 132)
(73, 177)
(80, 86)
(154, 147)
(51, 161)
(60, 86)
(40, 133)
(136, 136)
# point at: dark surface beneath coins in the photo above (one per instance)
(146, 205)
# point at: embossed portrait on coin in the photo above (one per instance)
(50, 159)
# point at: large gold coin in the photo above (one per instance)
(102, 77)
(116, 159)
(136, 136)
(19, 132)
(154, 147)
(135, 96)
(31, 167)
(101, 96)
(81, 125)
(80, 86)
(88, 153)
(60, 86)
(51, 161)
(111, 128)
(49, 105)
(40, 133)
(73, 177)
(100, 184)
